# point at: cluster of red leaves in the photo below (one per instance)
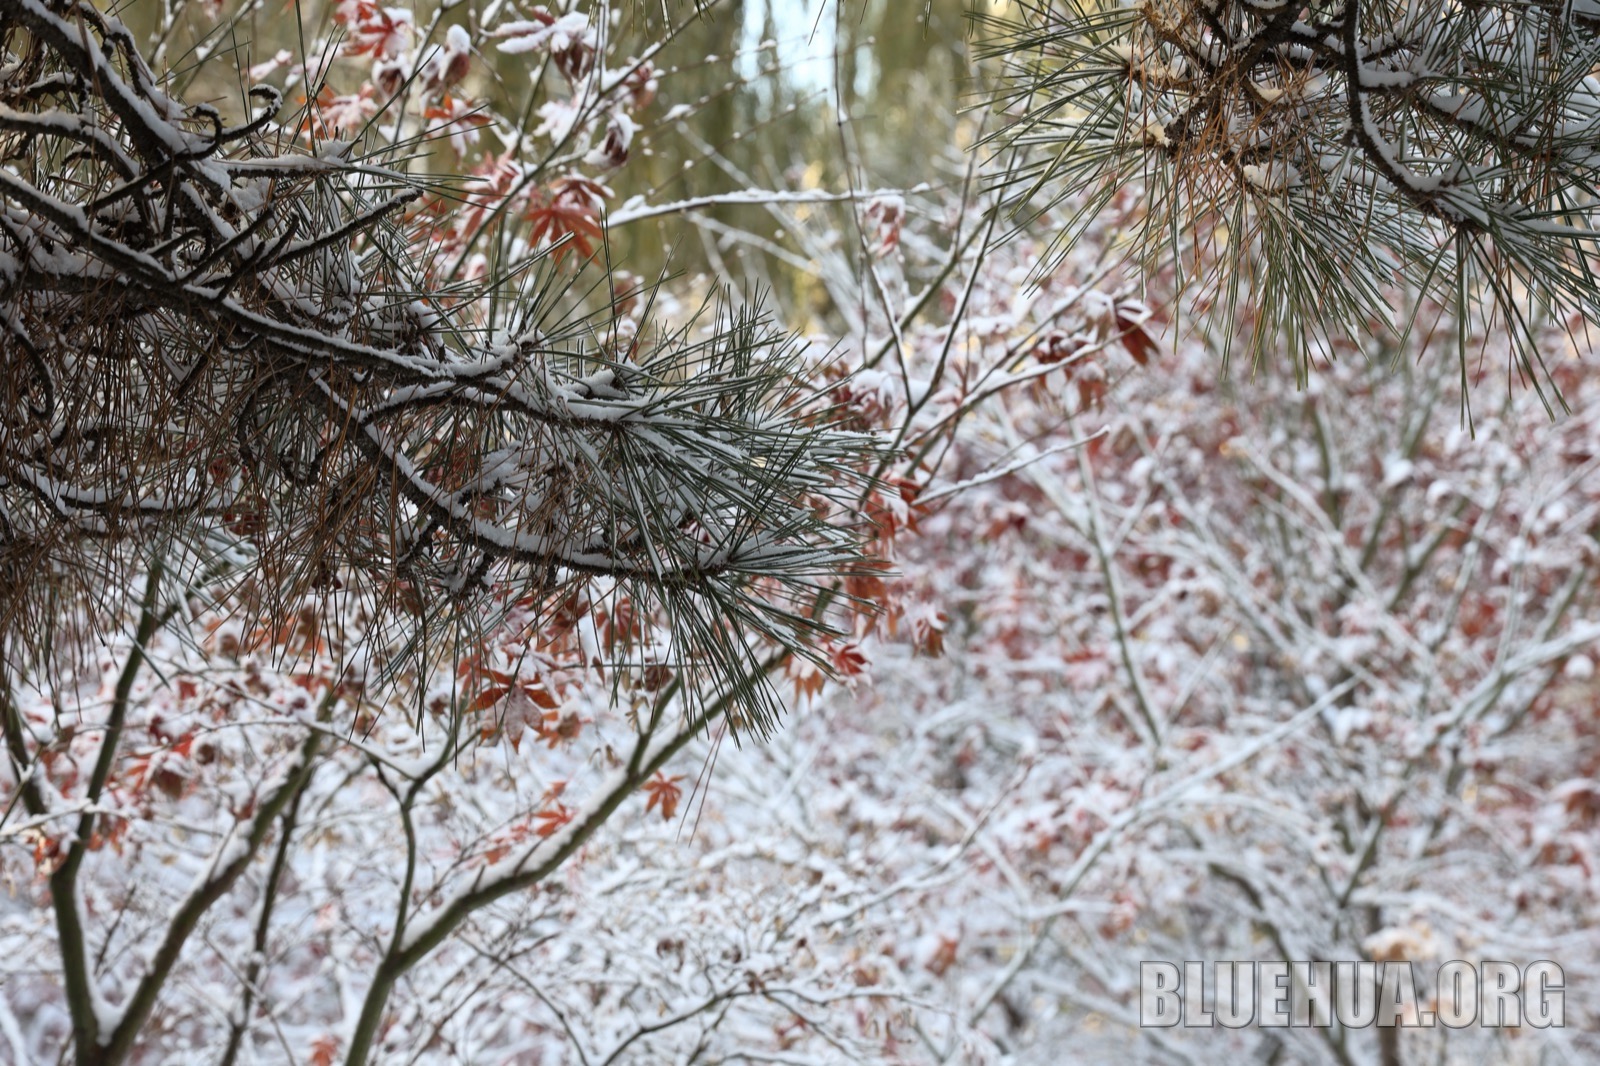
(806, 676)
(303, 633)
(944, 956)
(570, 48)
(889, 515)
(845, 661)
(619, 626)
(613, 151)
(884, 216)
(450, 65)
(552, 818)
(1129, 320)
(551, 815)
(449, 226)
(1057, 346)
(641, 84)
(1125, 322)
(927, 632)
(524, 705)
(568, 207)
(380, 32)
(342, 115)
(57, 761)
(48, 852)
(159, 769)
(859, 408)
(502, 685)
(520, 703)
(324, 1050)
(457, 119)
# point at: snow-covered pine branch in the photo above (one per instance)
(1306, 157)
(213, 335)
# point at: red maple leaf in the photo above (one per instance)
(665, 792)
(847, 660)
(568, 207)
(551, 819)
(1130, 319)
(379, 32)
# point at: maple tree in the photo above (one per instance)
(267, 373)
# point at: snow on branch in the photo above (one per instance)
(1357, 141)
(211, 334)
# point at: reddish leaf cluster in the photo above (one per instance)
(663, 792)
(568, 207)
(381, 32)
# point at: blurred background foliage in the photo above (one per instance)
(836, 95)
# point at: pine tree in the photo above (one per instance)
(1308, 157)
(239, 346)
